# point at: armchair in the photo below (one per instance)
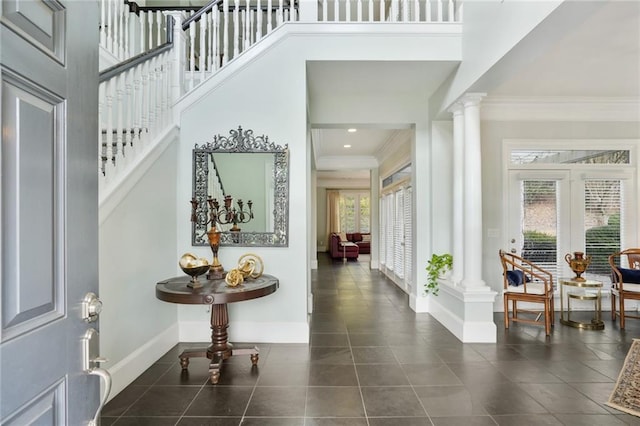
(525, 281)
(625, 282)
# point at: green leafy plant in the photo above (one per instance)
(437, 265)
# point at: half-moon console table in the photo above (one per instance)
(217, 294)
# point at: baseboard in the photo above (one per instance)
(248, 331)
(127, 370)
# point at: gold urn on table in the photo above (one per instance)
(578, 264)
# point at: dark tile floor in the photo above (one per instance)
(372, 361)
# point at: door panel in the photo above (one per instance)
(31, 294)
(48, 208)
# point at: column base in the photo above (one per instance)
(467, 313)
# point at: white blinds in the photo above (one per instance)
(603, 208)
(408, 246)
(398, 234)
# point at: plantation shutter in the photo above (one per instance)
(389, 220)
(603, 210)
(383, 231)
(398, 234)
(408, 240)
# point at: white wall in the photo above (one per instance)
(239, 96)
(276, 109)
(137, 249)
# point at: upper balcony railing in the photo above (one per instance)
(189, 44)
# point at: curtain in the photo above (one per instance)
(333, 213)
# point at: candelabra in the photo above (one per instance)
(221, 215)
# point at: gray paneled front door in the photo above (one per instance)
(48, 208)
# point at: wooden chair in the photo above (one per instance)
(625, 281)
(525, 281)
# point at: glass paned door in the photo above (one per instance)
(552, 213)
(539, 216)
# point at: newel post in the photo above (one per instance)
(177, 57)
(308, 10)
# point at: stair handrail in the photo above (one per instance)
(141, 57)
(196, 16)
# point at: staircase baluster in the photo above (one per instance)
(370, 10)
(280, 13)
(109, 164)
(269, 17)
(103, 24)
(150, 30)
(137, 108)
(359, 10)
(145, 103)
(159, 31)
(216, 39)
(119, 145)
(439, 2)
(225, 32)
(117, 13)
(427, 7)
(336, 10)
(235, 39)
(325, 7)
(405, 10)
(247, 36)
(143, 32)
(259, 14)
(203, 48)
(192, 54)
(347, 10)
(382, 18)
(127, 48)
(152, 97)
(128, 116)
(450, 14)
(158, 102)
(110, 26)
(102, 153)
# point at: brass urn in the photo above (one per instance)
(578, 264)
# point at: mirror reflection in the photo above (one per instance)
(240, 186)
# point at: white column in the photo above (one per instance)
(177, 61)
(472, 279)
(458, 192)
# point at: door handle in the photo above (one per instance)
(104, 375)
(91, 365)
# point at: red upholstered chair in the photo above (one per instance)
(625, 281)
(525, 281)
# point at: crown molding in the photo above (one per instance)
(497, 108)
(346, 162)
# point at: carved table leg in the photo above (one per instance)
(220, 348)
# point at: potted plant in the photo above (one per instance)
(437, 265)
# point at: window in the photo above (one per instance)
(355, 212)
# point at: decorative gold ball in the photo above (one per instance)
(234, 278)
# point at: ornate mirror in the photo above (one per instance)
(241, 185)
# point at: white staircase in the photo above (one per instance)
(162, 54)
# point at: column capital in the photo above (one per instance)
(471, 99)
(455, 109)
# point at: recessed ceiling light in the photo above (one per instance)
(347, 146)
(352, 130)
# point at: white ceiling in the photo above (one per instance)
(599, 58)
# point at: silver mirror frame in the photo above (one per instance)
(242, 141)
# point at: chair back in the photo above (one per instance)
(622, 273)
(529, 271)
